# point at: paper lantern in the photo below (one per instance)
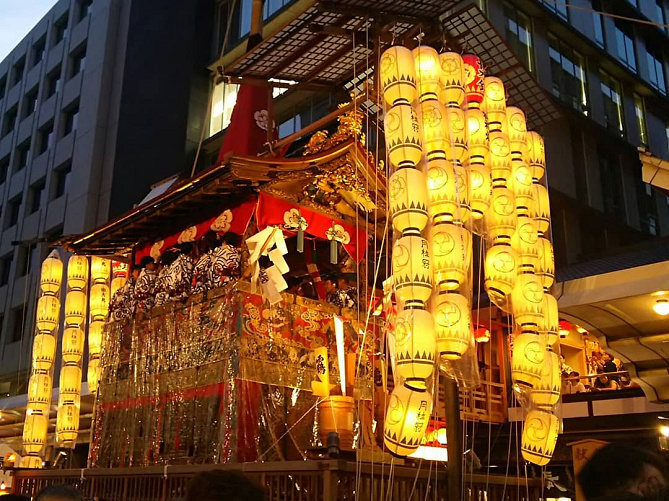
(517, 132)
(48, 311)
(535, 146)
(67, 425)
(549, 324)
(408, 194)
(93, 374)
(70, 382)
(545, 269)
(500, 158)
(529, 353)
(522, 187)
(546, 393)
(527, 300)
(474, 76)
(564, 328)
(32, 462)
(100, 270)
(95, 333)
(412, 270)
(99, 301)
(415, 346)
(478, 144)
(406, 420)
(525, 241)
(481, 335)
(398, 76)
(39, 393)
(119, 269)
(34, 433)
(403, 136)
(502, 218)
(52, 273)
(501, 265)
(44, 351)
(434, 127)
(428, 72)
(451, 255)
(457, 132)
(452, 323)
(73, 345)
(75, 308)
(540, 435)
(452, 79)
(77, 272)
(494, 104)
(542, 212)
(116, 284)
(480, 189)
(442, 190)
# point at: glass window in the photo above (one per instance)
(3, 85)
(53, 82)
(290, 126)
(13, 210)
(46, 138)
(22, 156)
(222, 104)
(62, 180)
(568, 74)
(611, 178)
(659, 12)
(60, 29)
(70, 119)
(30, 102)
(613, 105)
(84, 9)
(18, 318)
(5, 268)
(77, 61)
(17, 71)
(36, 195)
(640, 112)
(635, 3)
(519, 34)
(625, 45)
(9, 122)
(655, 70)
(4, 169)
(38, 51)
(598, 21)
(560, 9)
(648, 218)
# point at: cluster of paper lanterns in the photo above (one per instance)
(462, 162)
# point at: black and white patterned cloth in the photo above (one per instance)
(216, 268)
(122, 304)
(341, 298)
(180, 278)
(144, 290)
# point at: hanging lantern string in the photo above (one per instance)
(606, 14)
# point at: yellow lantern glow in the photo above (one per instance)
(428, 71)
(527, 300)
(99, 301)
(403, 136)
(546, 263)
(500, 158)
(116, 284)
(406, 420)
(478, 137)
(434, 124)
(73, 345)
(522, 187)
(501, 263)
(535, 145)
(398, 76)
(546, 392)
(457, 133)
(452, 323)
(448, 189)
(517, 130)
(415, 346)
(34, 433)
(67, 425)
(527, 359)
(70, 382)
(452, 79)
(480, 189)
(550, 321)
(494, 104)
(451, 255)
(542, 206)
(75, 308)
(48, 311)
(525, 241)
(540, 435)
(502, 218)
(77, 272)
(39, 393)
(408, 199)
(100, 269)
(412, 270)
(52, 273)
(95, 333)
(44, 351)
(93, 374)
(32, 462)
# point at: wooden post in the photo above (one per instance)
(454, 437)
(255, 34)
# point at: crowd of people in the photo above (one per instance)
(608, 377)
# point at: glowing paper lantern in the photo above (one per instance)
(44, 351)
(406, 420)
(481, 335)
(525, 241)
(39, 393)
(428, 72)
(414, 346)
(93, 374)
(75, 308)
(529, 353)
(546, 263)
(412, 270)
(403, 136)
(457, 132)
(474, 76)
(70, 382)
(539, 437)
(502, 218)
(500, 269)
(100, 269)
(517, 133)
(542, 212)
(535, 145)
(451, 255)
(48, 311)
(77, 272)
(407, 189)
(500, 158)
(452, 323)
(522, 187)
(546, 392)
(34, 433)
(442, 191)
(119, 269)
(549, 324)
(67, 424)
(99, 301)
(73, 345)
(31, 462)
(478, 137)
(434, 126)
(452, 79)
(495, 104)
(398, 76)
(95, 333)
(52, 273)
(527, 300)
(564, 328)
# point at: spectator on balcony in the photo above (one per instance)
(224, 485)
(574, 385)
(59, 493)
(605, 382)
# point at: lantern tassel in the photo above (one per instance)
(300, 240)
(333, 251)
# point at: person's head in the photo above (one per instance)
(574, 374)
(59, 493)
(231, 239)
(621, 469)
(330, 282)
(147, 262)
(603, 378)
(224, 485)
(606, 357)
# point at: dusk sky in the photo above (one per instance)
(17, 17)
